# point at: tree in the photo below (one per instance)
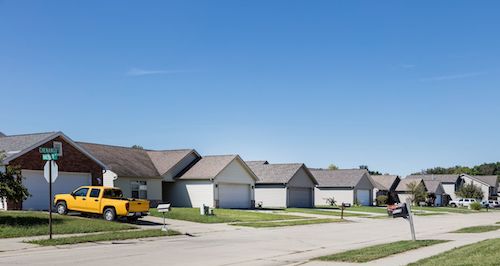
(135, 146)
(370, 172)
(333, 167)
(417, 192)
(11, 184)
(470, 191)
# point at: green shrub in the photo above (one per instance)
(381, 200)
(475, 206)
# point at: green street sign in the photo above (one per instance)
(44, 150)
(50, 157)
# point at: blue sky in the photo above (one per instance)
(395, 85)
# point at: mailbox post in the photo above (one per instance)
(404, 211)
(163, 208)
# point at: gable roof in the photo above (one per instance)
(490, 180)
(2, 134)
(384, 182)
(403, 184)
(277, 173)
(434, 186)
(15, 146)
(209, 167)
(441, 178)
(252, 163)
(132, 162)
(338, 178)
(123, 161)
(164, 161)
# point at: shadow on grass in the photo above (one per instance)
(27, 221)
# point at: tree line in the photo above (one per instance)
(482, 169)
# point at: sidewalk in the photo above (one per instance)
(456, 240)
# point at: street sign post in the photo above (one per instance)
(50, 172)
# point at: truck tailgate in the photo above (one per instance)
(136, 205)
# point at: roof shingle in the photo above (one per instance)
(274, 173)
(338, 178)
(208, 167)
(384, 182)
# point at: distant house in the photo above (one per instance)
(140, 173)
(283, 185)
(435, 192)
(222, 181)
(345, 186)
(77, 166)
(487, 183)
(452, 182)
(403, 189)
(385, 185)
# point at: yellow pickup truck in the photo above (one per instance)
(106, 201)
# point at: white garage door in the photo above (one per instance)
(39, 188)
(363, 197)
(299, 197)
(234, 196)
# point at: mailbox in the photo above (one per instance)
(163, 208)
(400, 211)
(346, 204)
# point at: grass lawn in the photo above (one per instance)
(222, 215)
(379, 251)
(104, 237)
(482, 253)
(21, 224)
(287, 223)
(322, 212)
(478, 229)
(445, 209)
(371, 209)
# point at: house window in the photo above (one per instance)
(139, 189)
(58, 145)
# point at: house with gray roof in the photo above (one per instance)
(385, 185)
(77, 166)
(140, 173)
(344, 186)
(283, 185)
(404, 188)
(487, 183)
(220, 181)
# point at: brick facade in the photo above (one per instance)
(72, 160)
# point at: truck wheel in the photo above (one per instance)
(109, 214)
(453, 205)
(61, 208)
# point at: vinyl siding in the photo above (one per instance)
(271, 196)
(484, 188)
(153, 184)
(340, 195)
(235, 173)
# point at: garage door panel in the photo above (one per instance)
(363, 197)
(39, 188)
(300, 197)
(234, 196)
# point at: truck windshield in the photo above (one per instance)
(112, 194)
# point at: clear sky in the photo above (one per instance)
(395, 85)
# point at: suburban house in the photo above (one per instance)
(222, 181)
(353, 186)
(435, 193)
(487, 183)
(283, 185)
(403, 188)
(140, 173)
(452, 182)
(77, 167)
(385, 185)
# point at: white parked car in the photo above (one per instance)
(462, 202)
(490, 203)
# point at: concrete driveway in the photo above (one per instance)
(248, 246)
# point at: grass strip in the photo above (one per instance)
(287, 223)
(379, 251)
(222, 215)
(478, 229)
(103, 237)
(30, 223)
(323, 212)
(484, 253)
